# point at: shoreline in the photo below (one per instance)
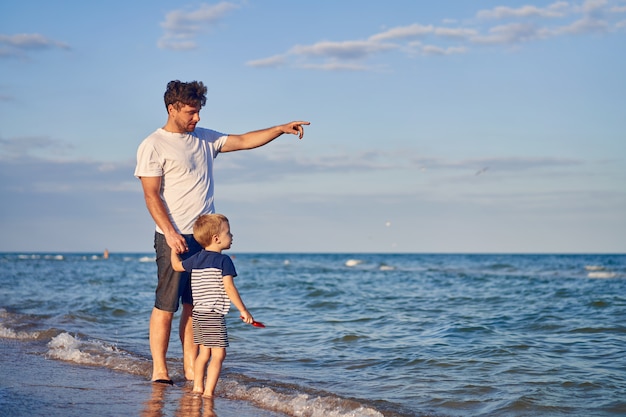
(34, 385)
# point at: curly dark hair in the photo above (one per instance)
(178, 93)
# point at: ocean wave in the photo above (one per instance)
(594, 267)
(295, 402)
(41, 256)
(292, 401)
(603, 274)
(68, 348)
(12, 327)
(8, 333)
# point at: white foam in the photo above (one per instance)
(66, 347)
(69, 348)
(594, 268)
(353, 262)
(297, 403)
(601, 275)
(54, 257)
(8, 333)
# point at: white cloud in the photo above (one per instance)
(525, 24)
(558, 9)
(403, 32)
(272, 61)
(335, 56)
(182, 28)
(455, 32)
(582, 26)
(335, 66)
(419, 31)
(31, 41)
(17, 45)
(592, 6)
(437, 50)
(499, 164)
(32, 145)
(342, 50)
(509, 34)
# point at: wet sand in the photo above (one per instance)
(32, 385)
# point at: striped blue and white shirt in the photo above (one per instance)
(207, 285)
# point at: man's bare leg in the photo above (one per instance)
(160, 328)
(190, 349)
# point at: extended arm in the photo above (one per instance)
(152, 194)
(177, 264)
(234, 296)
(261, 137)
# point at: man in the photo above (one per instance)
(175, 166)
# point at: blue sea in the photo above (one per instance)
(347, 335)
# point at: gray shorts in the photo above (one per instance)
(172, 285)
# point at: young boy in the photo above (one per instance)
(212, 289)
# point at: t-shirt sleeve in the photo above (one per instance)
(228, 268)
(149, 163)
(217, 139)
(190, 263)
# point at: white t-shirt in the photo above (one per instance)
(185, 163)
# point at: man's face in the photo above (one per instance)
(186, 118)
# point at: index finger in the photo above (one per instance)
(300, 128)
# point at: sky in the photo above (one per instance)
(452, 126)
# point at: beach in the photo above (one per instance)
(32, 385)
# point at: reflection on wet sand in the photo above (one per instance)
(189, 404)
(194, 405)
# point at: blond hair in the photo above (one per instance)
(206, 226)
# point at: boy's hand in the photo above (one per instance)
(246, 317)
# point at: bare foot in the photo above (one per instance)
(161, 376)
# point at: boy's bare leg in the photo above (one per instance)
(200, 366)
(190, 349)
(160, 328)
(213, 371)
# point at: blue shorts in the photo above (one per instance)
(172, 285)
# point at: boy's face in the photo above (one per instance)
(225, 238)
